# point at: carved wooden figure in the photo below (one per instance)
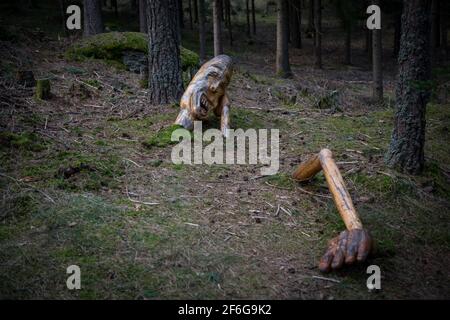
(353, 244)
(206, 92)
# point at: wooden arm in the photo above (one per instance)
(324, 160)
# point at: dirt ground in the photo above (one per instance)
(78, 184)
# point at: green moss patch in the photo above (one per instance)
(110, 47)
(162, 138)
(23, 141)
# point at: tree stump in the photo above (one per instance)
(43, 89)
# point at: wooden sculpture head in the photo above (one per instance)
(206, 91)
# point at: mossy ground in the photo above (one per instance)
(78, 184)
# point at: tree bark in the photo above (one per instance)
(115, 6)
(434, 34)
(93, 22)
(247, 11)
(318, 33)
(377, 63)
(228, 20)
(165, 83)
(310, 22)
(253, 17)
(296, 24)
(444, 15)
(283, 67)
(397, 33)
(217, 25)
(143, 16)
(195, 11)
(180, 14)
(406, 151)
(191, 17)
(201, 29)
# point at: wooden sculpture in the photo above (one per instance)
(353, 244)
(206, 92)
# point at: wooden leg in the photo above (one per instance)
(340, 194)
(353, 244)
(308, 169)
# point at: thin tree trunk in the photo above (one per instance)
(181, 14)
(165, 83)
(247, 11)
(310, 22)
(62, 7)
(201, 29)
(377, 63)
(397, 33)
(283, 67)
(93, 21)
(195, 11)
(434, 31)
(444, 29)
(143, 16)
(318, 33)
(115, 6)
(295, 24)
(217, 25)
(228, 20)
(406, 151)
(253, 17)
(191, 18)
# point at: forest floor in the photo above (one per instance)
(76, 179)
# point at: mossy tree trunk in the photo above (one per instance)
(93, 21)
(165, 80)
(283, 67)
(43, 89)
(406, 151)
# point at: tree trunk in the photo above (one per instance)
(93, 22)
(310, 29)
(406, 151)
(217, 25)
(228, 20)
(165, 83)
(195, 11)
(247, 11)
(180, 14)
(368, 47)
(444, 12)
(115, 6)
(283, 67)
(295, 24)
(434, 34)
(253, 17)
(191, 17)
(143, 16)
(318, 33)
(397, 33)
(62, 7)
(201, 29)
(377, 63)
